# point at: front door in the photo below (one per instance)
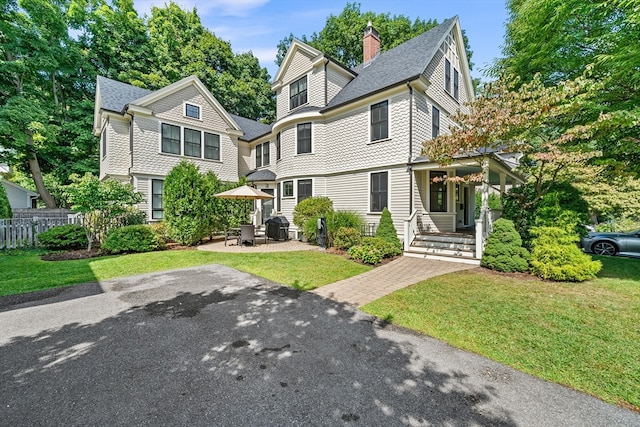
(465, 200)
(267, 205)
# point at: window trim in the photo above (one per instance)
(310, 139)
(370, 191)
(284, 195)
(447, 75)
(371, 124)
(184, 142)
(297, 95)
(266, 154)
(191, 104)
(297, 189)
(153, 195)
(104, 142)
(204, 147)
(456, 84)
(162, 124)
(435, 124)
(278, 147)
(445, 185)
(257, 157)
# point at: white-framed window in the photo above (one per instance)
(211, 146)
(437, 191)
(278, 148)
(435, 121)
(456, 84)
(287, 189)
(378, 191)
(447, 75)
(379, 114)
(305, 189)
(192, 110)
(157, 205)
(303, 138)
(263, 156)
(298, 93)
(192, 143)
(170, 138)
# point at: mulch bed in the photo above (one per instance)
(344, 254)
(95, 253)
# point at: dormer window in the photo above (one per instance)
(192, 111)
(298, 93)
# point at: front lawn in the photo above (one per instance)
(24, 271)
(584, 335)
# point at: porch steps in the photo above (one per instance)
(453, 247)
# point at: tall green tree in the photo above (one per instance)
(341, 36)
(564, 39)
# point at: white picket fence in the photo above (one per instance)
(20, 233)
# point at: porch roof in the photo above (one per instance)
(470, 163)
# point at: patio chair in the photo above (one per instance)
(261, 233)
(247, 234)
(231, 234)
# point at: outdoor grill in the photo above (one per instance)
(277, 228)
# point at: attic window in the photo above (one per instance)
(298, 93)
(192, 111)
(447, 75)
(456, 84)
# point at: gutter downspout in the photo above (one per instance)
(130, 147)
(326, 84)
(409, 164)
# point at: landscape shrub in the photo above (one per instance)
(561, 206)
(334, 221)
(184, 195)
(373, 249)
(504, 251)
(311, 207)
(133, 216)
(347, 237)
(386, 230)
(131, 238)
(556, 256)
(64, 237)
(161, 232)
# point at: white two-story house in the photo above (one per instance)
(353, 135)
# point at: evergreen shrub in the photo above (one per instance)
(308, 209)
(504, 251)
(184, 207)
(387, 231)
(556, 256)
(5, 208)
(130, 239)
(64, 237)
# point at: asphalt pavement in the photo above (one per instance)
(217, 347)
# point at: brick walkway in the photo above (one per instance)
(400, 273)
(364, 288)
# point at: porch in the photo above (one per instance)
(445, 222)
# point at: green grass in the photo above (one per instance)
(584, 335)
(23, 271)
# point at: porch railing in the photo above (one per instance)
(410, 229)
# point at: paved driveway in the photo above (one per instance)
(213, 346)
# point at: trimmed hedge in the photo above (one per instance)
(132, 238)
(555, 256)
(504, 251)
(64, 237)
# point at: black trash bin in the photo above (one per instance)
(277, 228)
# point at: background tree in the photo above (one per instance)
(341, 36)
(5, 207)
(560, 40)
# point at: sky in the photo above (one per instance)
(258, 25)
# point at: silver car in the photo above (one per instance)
(612, 243)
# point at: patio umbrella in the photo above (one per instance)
(244, 193)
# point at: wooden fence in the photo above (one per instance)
(20, 233)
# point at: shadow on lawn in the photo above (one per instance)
(618, 267)
(259, 355)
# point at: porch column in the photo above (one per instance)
(483, 230)
(503, 182)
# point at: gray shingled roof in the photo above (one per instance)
(116, 95)
(251, 128)
(396, 66)
(261, 175)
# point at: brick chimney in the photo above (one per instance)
(370, 43)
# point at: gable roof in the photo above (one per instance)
(28, 192)
(115, 96)
(401, 64)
